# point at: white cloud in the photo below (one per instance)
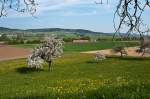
(71, 1)
(49, 5)
(71, 13)
(60, 6)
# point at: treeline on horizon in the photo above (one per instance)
(35, 36)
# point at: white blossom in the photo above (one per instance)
(99, 56)
(47, 51)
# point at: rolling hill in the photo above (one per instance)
(46, 30)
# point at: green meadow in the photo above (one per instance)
(78, 47)
(78, 76)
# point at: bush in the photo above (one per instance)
(12, 42)
(67, 39)
(85, 38)
(33, 41)
(103, 39)
(4, 37)
(15, 42)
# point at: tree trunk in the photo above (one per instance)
(121, 54)
(50, 63)
(143, 52)
(142, 40)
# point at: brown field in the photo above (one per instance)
(8, 52)
(108, 52)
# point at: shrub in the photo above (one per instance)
(67, 39)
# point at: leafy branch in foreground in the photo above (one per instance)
(130, 17)
(17, 5)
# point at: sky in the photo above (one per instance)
(70, 14)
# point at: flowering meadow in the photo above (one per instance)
(77, 76)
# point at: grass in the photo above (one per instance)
(77, 76)
(70, 47)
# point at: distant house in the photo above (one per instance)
(80, 41)
(12, 35)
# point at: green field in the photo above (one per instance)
(70, 47)
(77, 76)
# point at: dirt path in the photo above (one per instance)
(108, 52)
(8, 52)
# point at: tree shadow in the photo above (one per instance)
(130, 58)
(93, 61)
(127, 58)
(25, 70)
(135, 58)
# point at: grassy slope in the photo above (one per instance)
(77, 75)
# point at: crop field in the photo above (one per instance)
(77, 76)
(70, 47)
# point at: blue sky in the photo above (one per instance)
(82, 14)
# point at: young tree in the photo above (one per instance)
(48, 50)
(99, 56)
(145, 47)
(120, 49)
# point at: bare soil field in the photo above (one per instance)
(108, 52)
(8, 52)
